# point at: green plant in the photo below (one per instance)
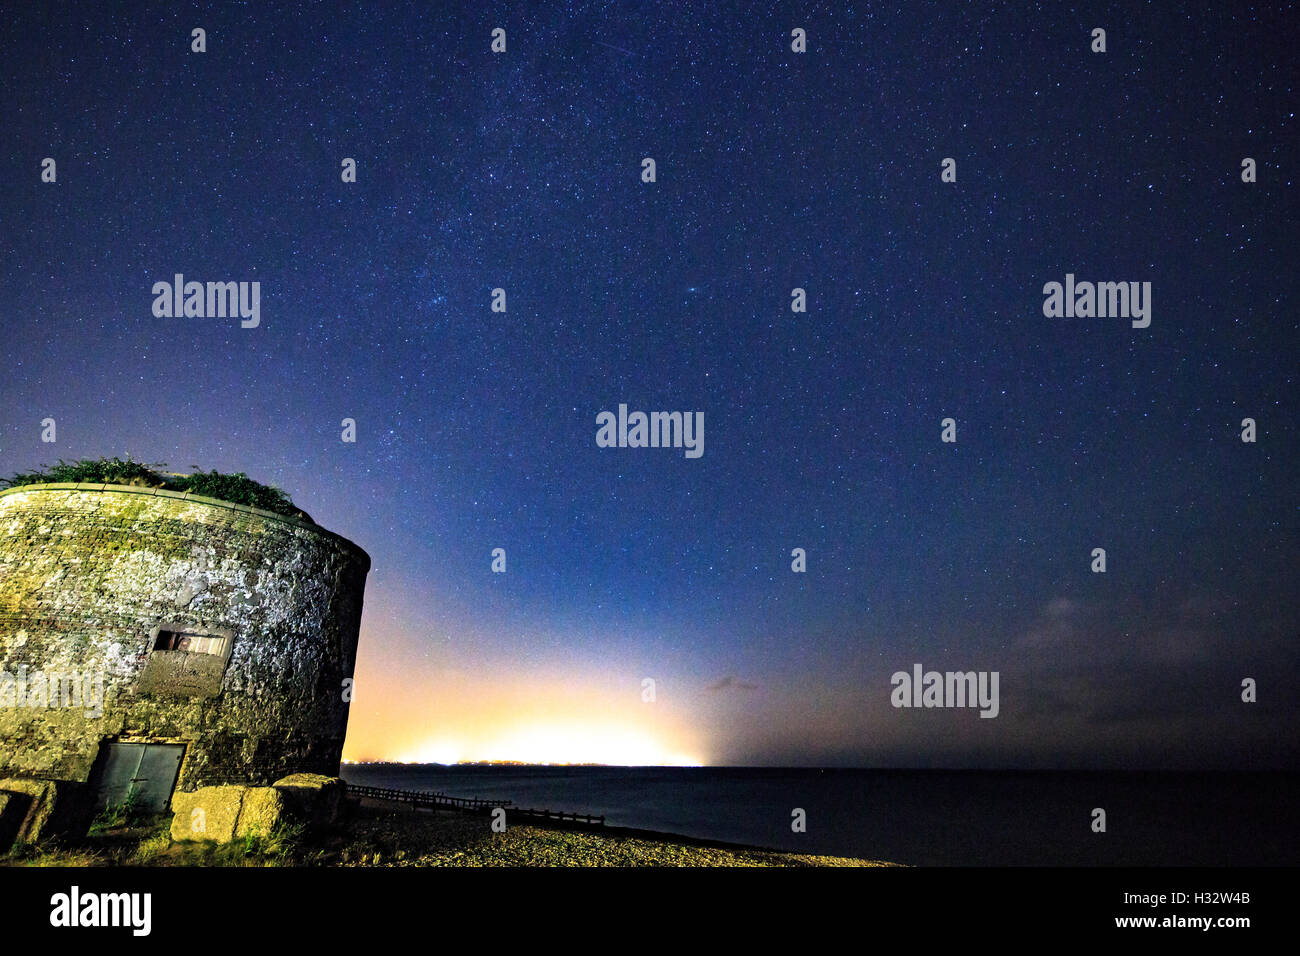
(278, 847)
(156, 842)
(281, 843)
(29, 854)
(117, 815)
(235, 487)
(105, 470)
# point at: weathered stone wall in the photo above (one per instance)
(88, 573)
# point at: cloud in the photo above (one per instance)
(1146, 669)
(732, 681)
(1061, 607)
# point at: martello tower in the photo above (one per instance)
(223, 637)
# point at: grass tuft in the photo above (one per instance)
(235, 487)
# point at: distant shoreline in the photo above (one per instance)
(806, 768)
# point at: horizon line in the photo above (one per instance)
(997, 769)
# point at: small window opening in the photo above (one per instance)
(193, 643)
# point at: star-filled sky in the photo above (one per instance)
(775, 170)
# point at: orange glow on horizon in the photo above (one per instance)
(547, 743)
(435, 713)
(555, 743)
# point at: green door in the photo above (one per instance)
(146, 770)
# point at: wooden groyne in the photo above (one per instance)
(556, 816)
(423, 799)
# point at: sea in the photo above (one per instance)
(917, 817)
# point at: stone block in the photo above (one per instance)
(209, 813)
(312, 797)
(13, 810)
(51, 807)
(264, 808)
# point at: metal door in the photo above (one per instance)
(146, 770)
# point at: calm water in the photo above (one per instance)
(924, 817)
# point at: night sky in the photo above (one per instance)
(775, 170)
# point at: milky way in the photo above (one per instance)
(775, 171)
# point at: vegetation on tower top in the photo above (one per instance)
(237, 487)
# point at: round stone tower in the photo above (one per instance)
(152, 640)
